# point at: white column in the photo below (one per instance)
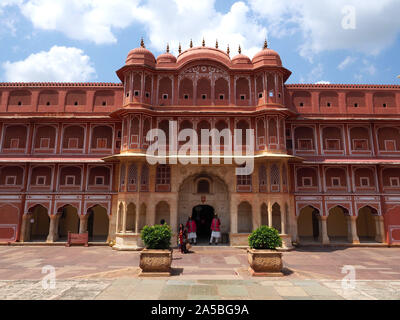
(353, 229)
(283, 219)
(324, 230)
(269, 214)
(234, 217)
(124, 212)
(83, 219)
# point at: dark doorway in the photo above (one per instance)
(203, 216)
(315, 224)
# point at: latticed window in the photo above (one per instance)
(284, 175)
(132, 175)
(144, 178)
(275, 175)
(122, 178)
(203, 186)
(244, 180)
(262, 177)
(163, 175)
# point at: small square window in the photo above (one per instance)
(99, 181)
(165, 96)
(260, 95)
(119, 134)
(72, 143)
(271, 94)
(301, 104)
(364, 182)
(127, 94)
(242, 97)
(390, 145)
(147, 95)
(76, 103)
(101, 143)
(186, 96)
(204, 96)
(328, 104)
(332, 144)
(44, 143)
(360, 144)
(356, 105)
(335, 182)
(305, 144)
(40, 180)
(394, 182)
(47, 103)
(14, 143)
(104, 103)
(136, 93)
(19, 103)
(70, 180)
(384, 105)
(307, 181)
(221, 97)
(11, 180)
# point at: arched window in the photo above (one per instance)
(275, 179)
(132, 178)
(144, 179)
(163, 178)
(203, 186)
(262, 178)
(122, 178)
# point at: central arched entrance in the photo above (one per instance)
(203, 215)
(202, 195)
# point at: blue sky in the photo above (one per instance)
(342, 41)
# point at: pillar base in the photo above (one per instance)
(286, 241)
(128, 241)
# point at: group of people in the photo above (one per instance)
(188, 233)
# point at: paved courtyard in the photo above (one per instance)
(208, 273)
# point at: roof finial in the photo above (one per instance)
(191, 43)
(180, 48)
(228, 51)
(240, 49)
(265, 43)
(167, 47)
(216, 44)
(203, 43)
(142, 43)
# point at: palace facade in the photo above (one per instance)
(326, 161)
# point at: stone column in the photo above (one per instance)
(296, 232)
(353, 229)
(324, 230)
(25, 234)
(174, 215)
(270, 214)
(380, 229)
(234, 217)
(283, 220)
(118, 216)
(53, 230)
(83, 219)
(124, 213)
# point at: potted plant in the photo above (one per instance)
(156, 258)
(262, 255)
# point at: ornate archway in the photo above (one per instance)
(216, 197)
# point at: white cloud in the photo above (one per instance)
(323, 82)
(170, 21)
(180, 20)
(346, 62)
(58, 64)
(92, 20)
(368, 67)
(320, 22)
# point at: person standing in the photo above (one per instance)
(182, 238)
(192, 229)
(215, 230)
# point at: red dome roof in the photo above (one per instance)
(269, 57)
(204, 53)
(166, 58)
(140, 56)
(241, 59)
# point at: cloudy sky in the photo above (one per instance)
(336, 41)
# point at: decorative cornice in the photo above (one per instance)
(60, 84)
(342, 86)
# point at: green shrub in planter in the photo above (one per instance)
(157, 237)
(265, 238)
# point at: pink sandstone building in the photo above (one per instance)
(326, 161)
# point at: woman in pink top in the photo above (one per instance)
(215, 230)
(192, 229)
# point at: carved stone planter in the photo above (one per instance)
(265, 263)
(155, 263)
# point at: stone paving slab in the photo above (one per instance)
(137, 289)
